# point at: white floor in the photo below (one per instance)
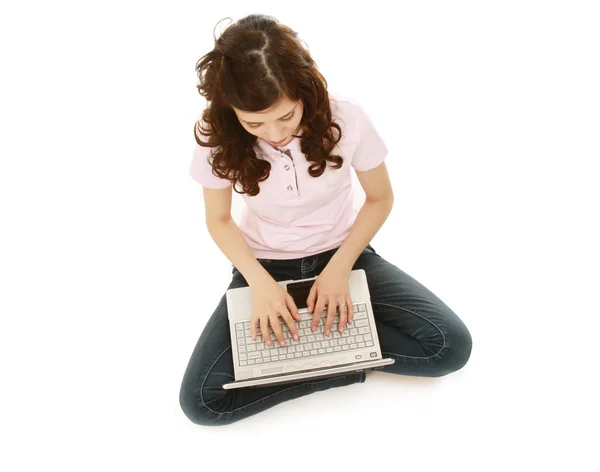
(108, 276)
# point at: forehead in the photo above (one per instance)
(280, 108)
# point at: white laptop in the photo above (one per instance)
(256, 363)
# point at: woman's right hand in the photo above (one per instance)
(271, 301)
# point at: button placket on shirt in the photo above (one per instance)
(287, 167)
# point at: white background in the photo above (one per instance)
(490, 111)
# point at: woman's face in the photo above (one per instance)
(274, 124)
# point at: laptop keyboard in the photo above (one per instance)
(356, 335)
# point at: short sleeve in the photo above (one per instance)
(371, 149)
(201, 170)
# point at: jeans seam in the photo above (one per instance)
(421, 316)
(261, 399)
(217, 357)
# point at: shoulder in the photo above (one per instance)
(344, 103)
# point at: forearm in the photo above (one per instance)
(369, 220)
(230, 240)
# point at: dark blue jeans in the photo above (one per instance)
(414, 326)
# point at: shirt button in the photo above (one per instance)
(290, 187)
(287, 167)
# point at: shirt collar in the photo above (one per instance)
(294, 145)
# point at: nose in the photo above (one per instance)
(276, 136)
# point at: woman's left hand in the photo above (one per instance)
(331, 290)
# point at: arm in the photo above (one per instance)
(228, 236)
(377, 207)
(369, 220)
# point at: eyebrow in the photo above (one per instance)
(260, 122)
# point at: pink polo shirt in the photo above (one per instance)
(296, 215)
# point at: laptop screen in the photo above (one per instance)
(300, 291)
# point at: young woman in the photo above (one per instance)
(274, 133)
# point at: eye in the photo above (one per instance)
(282, 119)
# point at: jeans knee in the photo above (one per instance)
(457, 354)
(200, 414)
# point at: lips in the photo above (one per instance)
(278, 142)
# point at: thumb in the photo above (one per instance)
(292, 307)
(310, 302)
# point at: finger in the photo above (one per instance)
(264, 327)
(344, 314)
(350, 306)
(292, 308)
(320, 306)
(253, 321)
(289, 321)
(331, 312)
(310, 301)
(277, 329)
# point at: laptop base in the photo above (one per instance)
(299, 376)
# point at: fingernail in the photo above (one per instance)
(282, 343)
(327, 333)
(295, 336)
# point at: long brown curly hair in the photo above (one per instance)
(255, 62)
